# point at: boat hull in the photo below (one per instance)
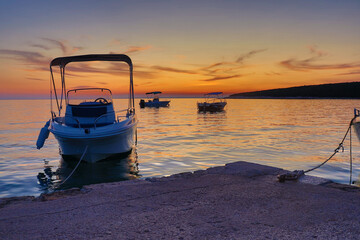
(157, 104)
(356, 126)
(101, 143)
(211, 107)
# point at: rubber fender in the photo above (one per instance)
(43, 135)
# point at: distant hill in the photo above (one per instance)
(336, 90)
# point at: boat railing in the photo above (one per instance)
(61, 120)
(118, 117)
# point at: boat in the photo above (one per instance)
(214, 102)
(153, 100)
(90, 129)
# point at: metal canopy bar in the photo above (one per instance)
(62, 61)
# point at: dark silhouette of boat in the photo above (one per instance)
(153, 100)
(214, 102)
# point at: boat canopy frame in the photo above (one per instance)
(214, 97)
(82, 89)
(63, 61)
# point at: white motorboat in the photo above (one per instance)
(90, 129)
(153, 100)
(214, 102)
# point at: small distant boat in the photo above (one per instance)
(214, 102)
(90, 129)
(153, 101)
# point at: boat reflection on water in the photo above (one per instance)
(111, 170)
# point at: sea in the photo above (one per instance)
(293, 134)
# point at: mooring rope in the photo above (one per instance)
(298, 173)
(82, 156)
(350, 181)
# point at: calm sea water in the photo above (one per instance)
(290, 134)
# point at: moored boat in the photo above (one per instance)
(154, 100)
(90, 129)
(214, 102)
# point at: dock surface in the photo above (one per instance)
(237, 201)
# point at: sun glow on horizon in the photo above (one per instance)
(185, 50)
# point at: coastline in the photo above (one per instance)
(240, 200)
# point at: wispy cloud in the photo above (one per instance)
(272, 74)
(350, 73)
(315, 51)
(311, 62)
(247, 55)
(102, 83)
(217, 71)
(144, 84)
(112, 68)
(41, 46)
(36, 79)
(218, 78)
(26, 57)
(133, 49)
(63, 45)
(36, 58)
(176, 70)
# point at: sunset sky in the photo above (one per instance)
(183, 48)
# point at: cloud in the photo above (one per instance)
(143, 84)
(63, 45)
(216, 67)
(112, 68)
(217, 78)
(133, 49)
(245, 56)
(273, 74)
(350, 73)
(41, 46)
(25, 56)
(102, 83)
(176, 70)
(36, 79)
(315, 51)
(217, 71)
(308, 64)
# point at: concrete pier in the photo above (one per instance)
(237, 201)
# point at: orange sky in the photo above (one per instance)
(181, 49)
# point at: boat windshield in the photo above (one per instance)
(89, 96)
